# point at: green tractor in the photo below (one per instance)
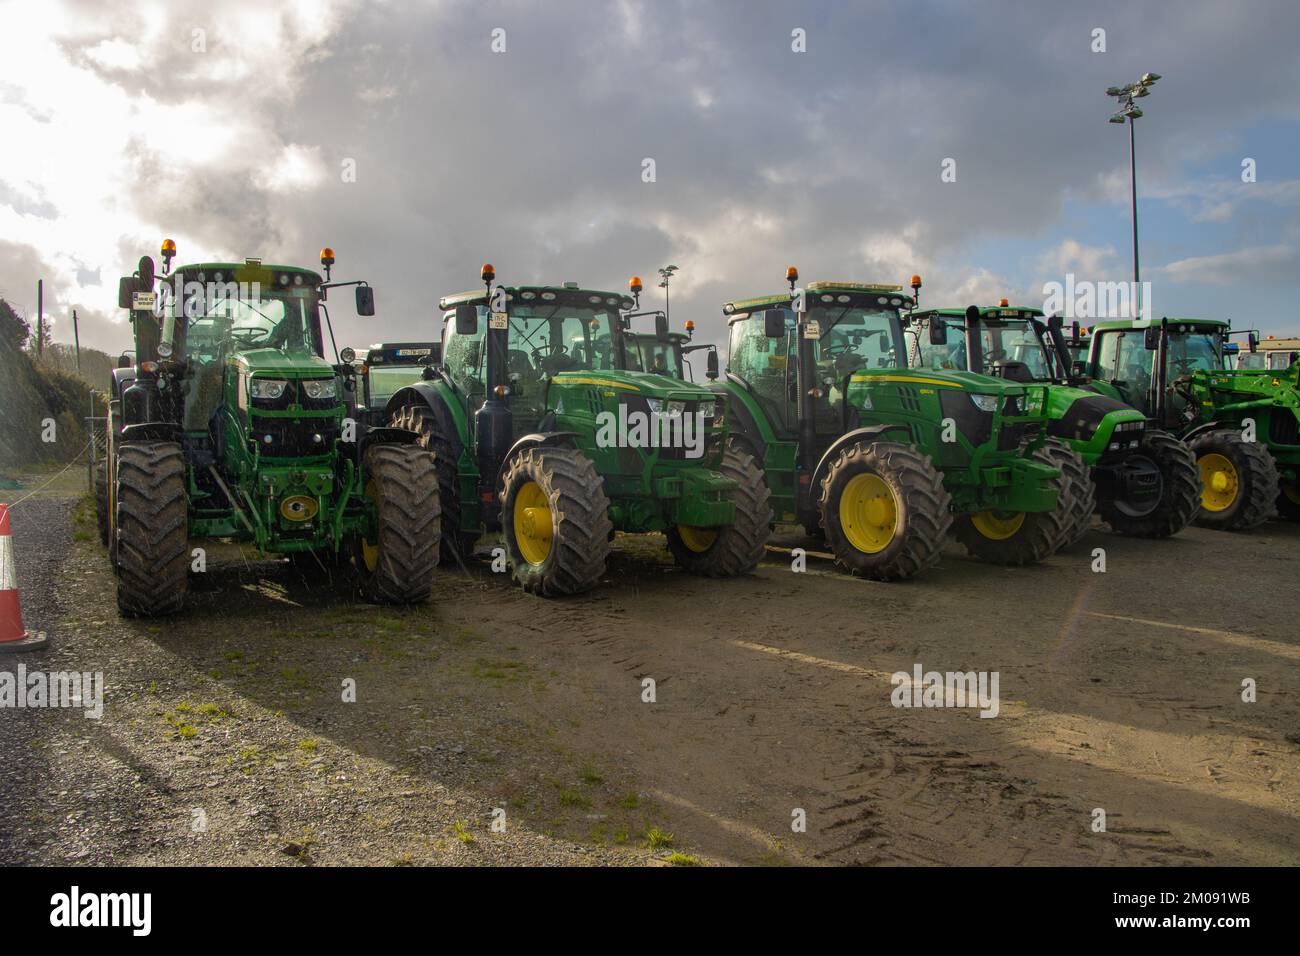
(1241, 425)
(539, 431)
(391, 366)
(882, 459)
(1146, 481)
(231, 424)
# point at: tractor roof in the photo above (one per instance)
(986, 312)
(1124, 324)
(251, 267)
(886, 295)
(541, 294)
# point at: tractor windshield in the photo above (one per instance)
(1190, 351)
(851, 337)
(647, 353)
(1016, 341)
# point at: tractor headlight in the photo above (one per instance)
(655, 405)
(985, 403)
(706, 409)
(676, 408)
(319, 388)
(267, 388)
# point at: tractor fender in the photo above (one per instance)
(742, 426)
(871, 433)
(390, 436)
(426, 396)
(151, 431)
(1201, 429)
(531, 440)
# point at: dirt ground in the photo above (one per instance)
(226, 737)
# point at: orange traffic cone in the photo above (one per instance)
(13, 637)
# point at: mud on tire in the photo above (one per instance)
(423, 423)
(560, 484)
(151, 554)
(737, 548)
(1180, 496)
(1256, 493)
(921, 510)
(397, 566)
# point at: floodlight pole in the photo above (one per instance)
(1133, 179)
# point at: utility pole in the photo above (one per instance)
(76, 338)
(1129, 112)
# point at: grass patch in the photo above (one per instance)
(657, 839)
(682, 859)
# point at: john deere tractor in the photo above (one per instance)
(1241, 425)
(232, 424)
(881, 458)
(1145, 479)
(539, 431)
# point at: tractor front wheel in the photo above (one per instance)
(455, 545)
(1017, 538)
(737, 548)
(1080, 498)
(1180, 491)
(396, 563)
(151, 528)
(1239, 481)
(884, 510)
(555, 519)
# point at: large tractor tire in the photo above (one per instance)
(415, 418)
(1239, 481)
(736, 549)
(1081, 498)
(1025, 537)
(884, 510)
(151, 529)
(1180, 491)
(396, 566)
(555, 520)
(101, 499)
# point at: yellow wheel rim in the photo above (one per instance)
(1292, 493)
(1219, 482)
(698, 540)
(998, 525)
(370, 552)
(534, 527)
(868, 513)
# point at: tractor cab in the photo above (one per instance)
(389, 367)
(1008, 343)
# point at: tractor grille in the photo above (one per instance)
(290, 438)
(1283, 428)
(975, 425)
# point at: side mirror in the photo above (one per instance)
(126, 287)
(1074, 331)
(774, 323)
(711, 365)
(1252, 340)
(661, 326)
(365, 300)
(466, 320)
(938, 331)
(1151, 337)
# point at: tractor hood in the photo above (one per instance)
(1077, 414)
(279, 364)
(945, 378)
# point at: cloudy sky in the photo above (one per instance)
(232, 127)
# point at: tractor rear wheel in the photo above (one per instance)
(737, 548)
(555, 520)
(396, 565)
(1025, 537)
(1180, 494)
(1081, 498)
(422, 421)
(884, 510)
(101, 500)
(151, 554)
(1239, 481)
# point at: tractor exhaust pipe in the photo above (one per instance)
(974, 345)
